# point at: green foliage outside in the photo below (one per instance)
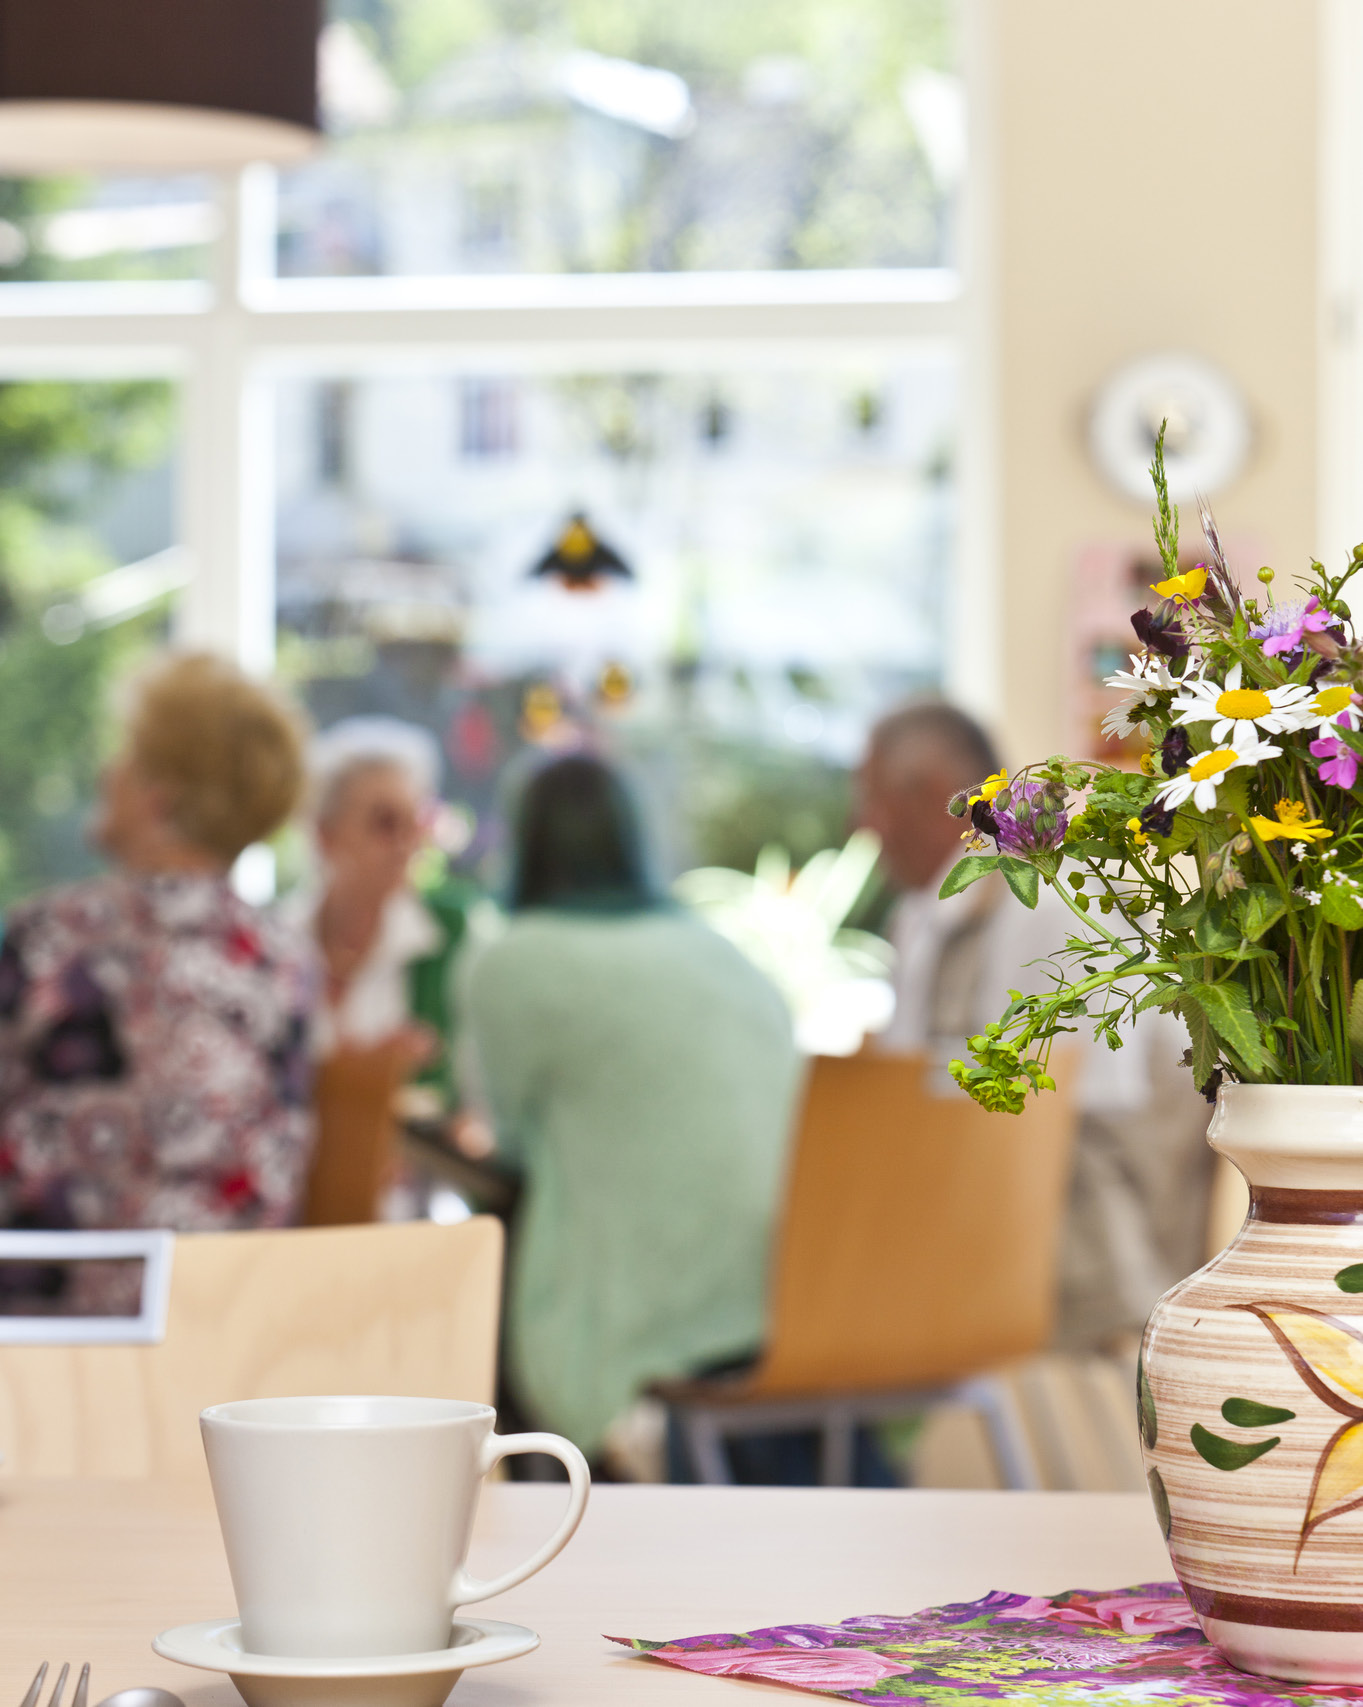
(60, 446)
(736, 798)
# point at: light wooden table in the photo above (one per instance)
(92, 1570)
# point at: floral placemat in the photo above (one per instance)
(1081, 1647)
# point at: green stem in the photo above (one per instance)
(1062, 890)
(1117, 902)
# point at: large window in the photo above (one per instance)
(780, 535)
(578, 137)
(684, 273)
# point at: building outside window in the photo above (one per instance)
(685, 274)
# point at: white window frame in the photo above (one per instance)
(227, 338)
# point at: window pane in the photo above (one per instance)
(583, 137)
(105, 228)
(86, 582)
(757, 569)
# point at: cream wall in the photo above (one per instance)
(1148, 183)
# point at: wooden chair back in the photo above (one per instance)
(356, 1147)
(407, 1308)
(919, 1239)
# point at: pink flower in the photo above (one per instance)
(1136, 1614)
(808, 1668)
(1039, 1606)
(1284, 625)
(1341, 762)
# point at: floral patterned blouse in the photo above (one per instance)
(153, 1059)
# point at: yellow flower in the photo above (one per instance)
(1147, 764)
(991, 786)
(1183, 589)
(1290, 824)
(1137, 834)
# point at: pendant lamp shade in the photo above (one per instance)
(160, 85)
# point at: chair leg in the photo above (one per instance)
(837, 1447)
(993, 1399)
(705, 1444)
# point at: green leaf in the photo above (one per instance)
(1088, 847)
(1257, 908)
(1228, 1008)
(1159, 1498)
(1162, 996)
(1249, 1413)
(1341, 905)
(1315, 962)
(1145, 1406)
(965, 872)
(1350, 1279)
(1182, 836)
(1205, 1047)
(1212, 930)
(1233, 796)
(1023, 879)
(1228, 1454)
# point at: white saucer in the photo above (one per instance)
(381, 1680)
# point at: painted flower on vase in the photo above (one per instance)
(1328, 1356)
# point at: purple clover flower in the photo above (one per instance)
(1040, 827)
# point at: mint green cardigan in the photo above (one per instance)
(640, 1071)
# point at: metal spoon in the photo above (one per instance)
(146, 1696)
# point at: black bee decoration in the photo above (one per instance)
(580, 560)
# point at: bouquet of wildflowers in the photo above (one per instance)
(1224, 879)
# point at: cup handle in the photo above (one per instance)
(467, 1589)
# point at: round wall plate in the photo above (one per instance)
(1206, 442)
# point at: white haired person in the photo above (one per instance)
(383, 1017)
(374, 785)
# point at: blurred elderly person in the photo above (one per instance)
(153, 1064)
(374, 783)
(1139, 1194)
(639, 1071)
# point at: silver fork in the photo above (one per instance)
(35, 1689)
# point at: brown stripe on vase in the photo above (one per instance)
(1305, 1208)
(1278, 1614)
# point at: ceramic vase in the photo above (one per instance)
(1250, 1392)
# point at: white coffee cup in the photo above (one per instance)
(347, 1520)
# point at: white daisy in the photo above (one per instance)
(1140, 684)
(1240, 712)
(1208, 771)
(1325, 707)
